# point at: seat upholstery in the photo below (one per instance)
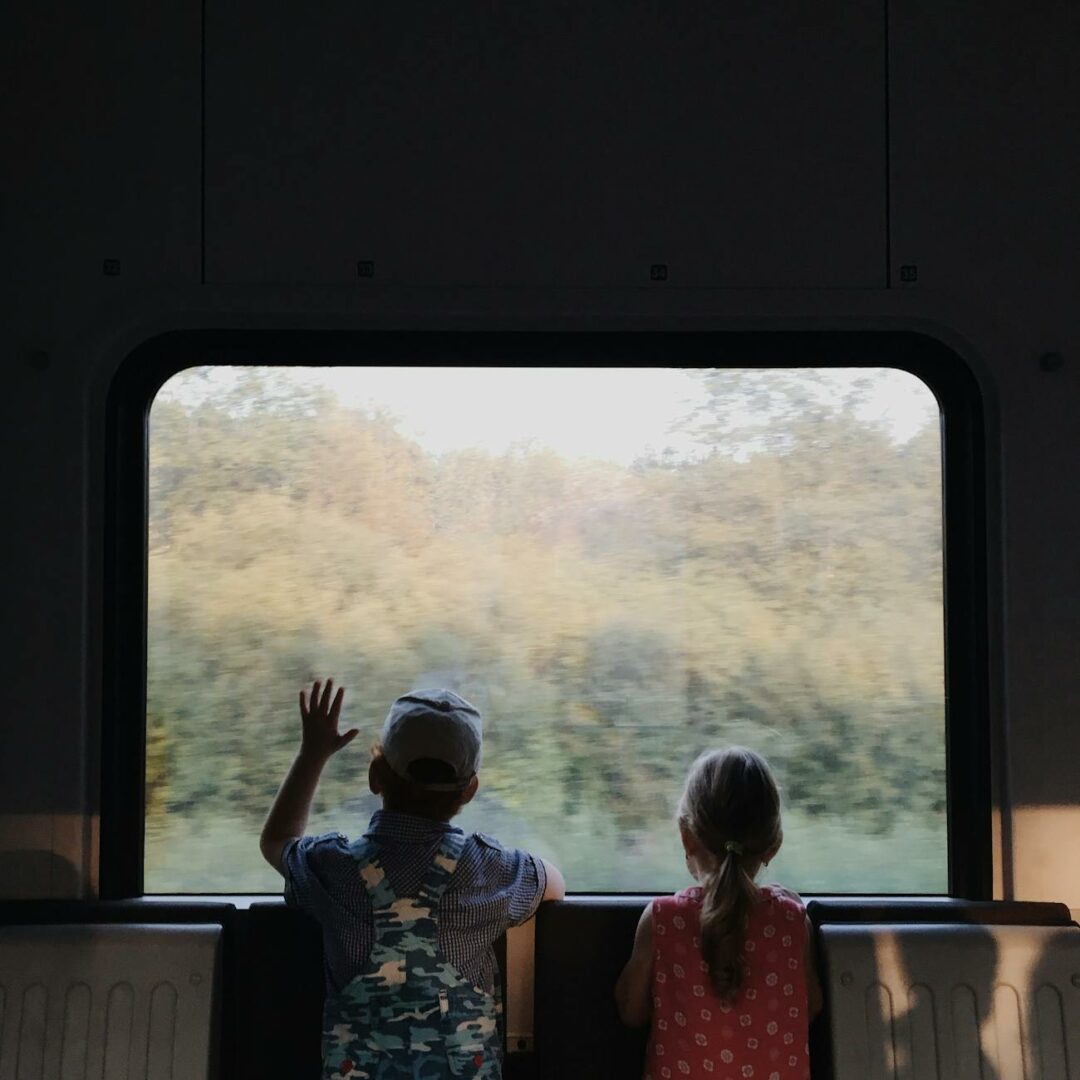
(932, 1001)
(281, 989)
(126, 1002)
(581, 946)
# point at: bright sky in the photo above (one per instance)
(607, 413)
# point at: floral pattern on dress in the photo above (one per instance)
(762, 1034)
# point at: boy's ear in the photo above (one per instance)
(374, 778)
(470, 790)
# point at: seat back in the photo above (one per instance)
(282, 988)
(931, 1001)
(126, 1002)
(581, 946)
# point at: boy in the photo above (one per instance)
(409, 911)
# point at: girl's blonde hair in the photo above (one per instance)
(732, 806)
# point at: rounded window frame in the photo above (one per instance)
(964, 488)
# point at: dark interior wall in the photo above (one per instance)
(512, 168)
(570, 145)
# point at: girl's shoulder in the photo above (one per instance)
(685, 898)
(773, 897)
(786, 900)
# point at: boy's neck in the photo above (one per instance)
(415, 812)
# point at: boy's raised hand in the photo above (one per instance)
(320, 718)
(288, 815)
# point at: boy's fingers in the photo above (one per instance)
(336, 707)
(303, 706)
(315, 696)
(325, 704)
(344, 740)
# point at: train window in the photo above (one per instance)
(621, 565)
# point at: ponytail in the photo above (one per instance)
(731, 806)
(728, 897)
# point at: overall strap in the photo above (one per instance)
(378, 886)
(443, 866)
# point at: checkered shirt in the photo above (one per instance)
(491, 889)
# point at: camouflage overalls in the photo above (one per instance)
(409, 1015)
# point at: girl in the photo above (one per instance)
(724, 970)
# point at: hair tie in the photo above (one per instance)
(733, 845)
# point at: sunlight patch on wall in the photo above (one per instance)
(1045, 842)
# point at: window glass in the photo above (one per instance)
(620, 567)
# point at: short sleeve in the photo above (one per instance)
(790, 907)
(789, 900)
(305, 863)
(515, 876)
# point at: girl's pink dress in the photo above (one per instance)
(762, 1034)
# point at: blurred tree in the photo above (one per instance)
(780, 587)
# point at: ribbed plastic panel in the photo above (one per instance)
(108, 1002)
(937, 1002)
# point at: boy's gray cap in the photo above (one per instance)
(438, 725)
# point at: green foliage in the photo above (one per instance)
(158, 767)
(782, 589)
